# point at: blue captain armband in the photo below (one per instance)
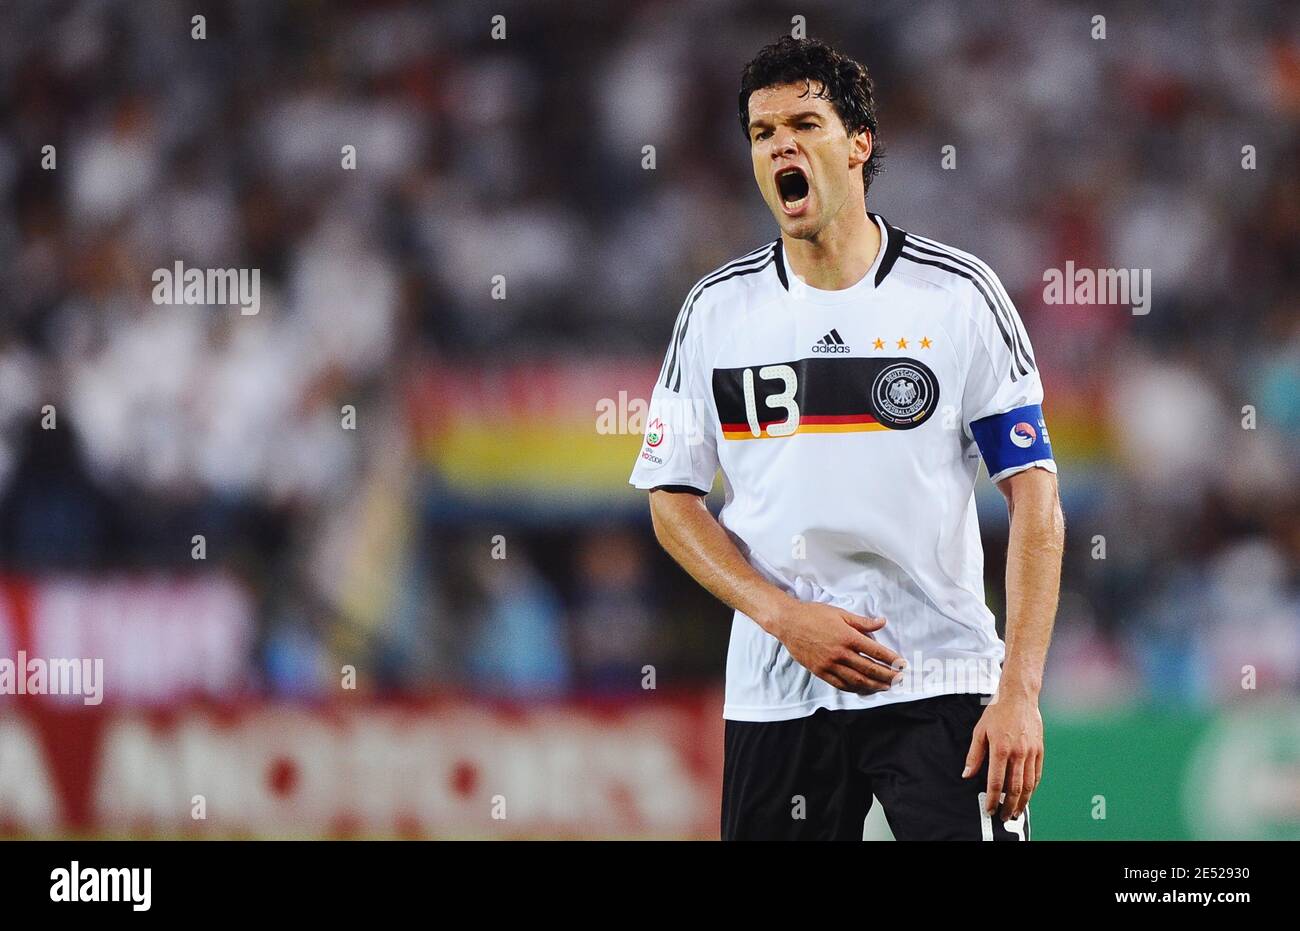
(1011, 441)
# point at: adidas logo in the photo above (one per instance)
(831, 342)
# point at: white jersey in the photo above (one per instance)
(848, 427)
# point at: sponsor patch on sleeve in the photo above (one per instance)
(658, 443)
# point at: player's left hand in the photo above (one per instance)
(1012, 730)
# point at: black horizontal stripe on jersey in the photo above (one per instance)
(675, 370)
(1006, 337)
(670, 357)
(824, 388)
(923, 245)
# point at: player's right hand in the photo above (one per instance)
(835, 646)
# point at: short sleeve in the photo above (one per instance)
(1002, 405)
(680, 446)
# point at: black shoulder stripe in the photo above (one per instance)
(981, 268)
(677, 381)
(744, 266)
(1006, 337)
(670, 357)
(919, 244)
(671, 354)
(1006, 322)
(1005, 309)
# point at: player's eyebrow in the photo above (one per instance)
(793, 117)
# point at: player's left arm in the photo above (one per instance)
(1011, 728)
(1002, 411)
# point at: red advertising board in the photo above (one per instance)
(447, 767)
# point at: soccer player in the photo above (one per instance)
(846, 378)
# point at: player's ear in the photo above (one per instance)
(861, 145)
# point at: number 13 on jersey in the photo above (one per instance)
(783, 398)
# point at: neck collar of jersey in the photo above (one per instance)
(891, 244)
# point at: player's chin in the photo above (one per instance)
(803, 226)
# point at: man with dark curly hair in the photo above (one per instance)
(846, 379)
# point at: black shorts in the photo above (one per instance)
(813, 778)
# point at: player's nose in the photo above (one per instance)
(783, 145)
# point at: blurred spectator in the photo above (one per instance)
(614, 615)
(517, 646)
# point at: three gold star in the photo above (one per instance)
(926, 343)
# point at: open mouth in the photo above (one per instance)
(793, 187)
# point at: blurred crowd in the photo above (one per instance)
(523, 156)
